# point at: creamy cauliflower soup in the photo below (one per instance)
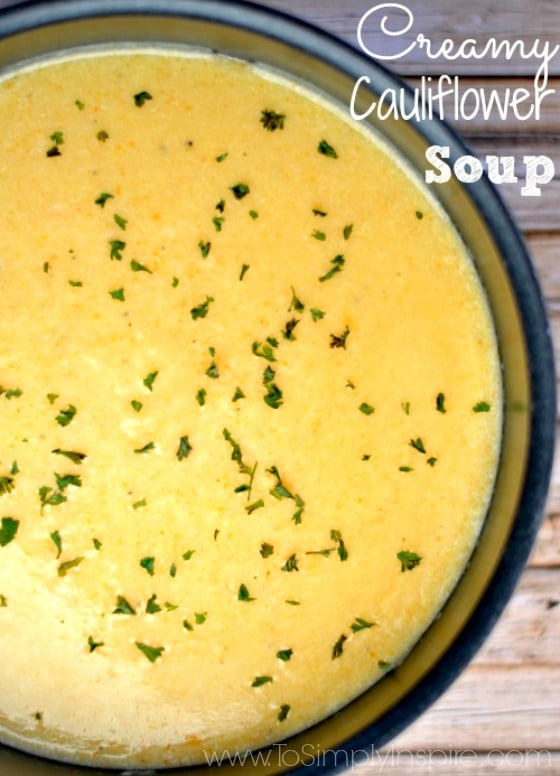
(250, 409)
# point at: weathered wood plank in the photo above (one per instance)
(492, 707)
(544, 250)
(546, 552)
(437, 20)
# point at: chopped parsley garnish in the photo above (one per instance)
(338, 646)
(50, 497)
(347, 231)
(290, 564)
(418, 444)
(366, 408)
(266, 550)
(409, 560)
(326, 149)
(316, 314)
(135, 266)
(419, 215)
(10, 393)
(201, 310)
(250, 508)
(406, 469)
(253, 214)
(336, 536)
(53, 151)
(58, 139)
(8, 530)
(406, 407)
(120, 221)
(240, 190)
(184, 448)
(152, 606)
(258, 681)
(218, 223)
(431, 461)
(360, 624)
(102, 135)
(204, 248)
(201, 396)
(337, 265)
(103, 197)
(150, 379)
(222, 157)
(288, 330)
(65, 567)
(318, 235)
(279, 491)
(273, 396)
(6, 485)
(148, 563)
(117, 294)
(200, 617)
(79, 104)
(152, 653)
(440, 403)
(263, 350)
(320, 213)
(238, 394)
(123, 606)
(271, 120)
(243, 272)
(339, 340)
(140, 504)
(93, 645)
(187, 555)
(213, 371)
(3, 601)
(296, 304)
(482, 406)
(117, 247)
(146, 449)
(75, 283)
(141, 98)
(66, 416)
(243, 594)
(283, 712)
(136, 405)
(64, 480)
(285, 654)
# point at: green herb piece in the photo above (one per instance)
(117, 247)
(65, 567)
(150, 379)
(75, 283)
(258, 681)
(279, 491)
(243, 272)
(50, 497)
(383, 664)
(266, 550)
(152, 653)
(58, 140)
(148, 563)
(173, 570)
(263, 350)
(175, 282)
(218, 222)
(221, 206)
(146, 449)
(409, 560)
(201, 396)
(187, 625)
(283, 712)
(136, 405)
(271, 120)
(406, 469)
(318, 235)
(52, 397)
(141, 98)
(338, 646)
(66, 416)
(184, 448)
(296, 304)
(204, 248)
(11, 393)
(406, 407)
(188, 554)
(366, 456)
(366, 408)
(316, 314)
(240, 190)
(53, 151)
(117, 294)
(337, 265)
(6, 485)
(243, 594)
(341, 547)
(296, 517)
(97, 544)
(320, 213)
(213, 371)
(46, 267)
(417, 444)
(93, 645)
(326, 149)
(347, 231)
(120, 221)
(152, 606)
(135, 266)
(238, 394)
(3, 601)
(200, 617)
(273, 396)
(201, 310)
(254, 214)
(482, 406)
(55, 536)
(288, 330)
(292, 602)
(419, 215)
(222, 157)
(431, 461)
(324, 553)
(250, 508)
(285, 654)
(79, 104)
(103, 197)
(360, 624)
(139, 504)
(339, 340)
(102, 135)
(440, 403)
(123, 606)
(8, 530)
(290, 564)
(15, 468)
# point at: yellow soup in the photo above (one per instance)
(250, 409)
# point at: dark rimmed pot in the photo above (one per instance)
(249, 31)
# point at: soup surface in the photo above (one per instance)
(250, 409)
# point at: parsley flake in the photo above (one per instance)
(8, 530)
(326, 149)
(272, 120)
(409, 560)
(141, 98)
(152, 653)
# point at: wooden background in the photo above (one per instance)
(503, 714)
